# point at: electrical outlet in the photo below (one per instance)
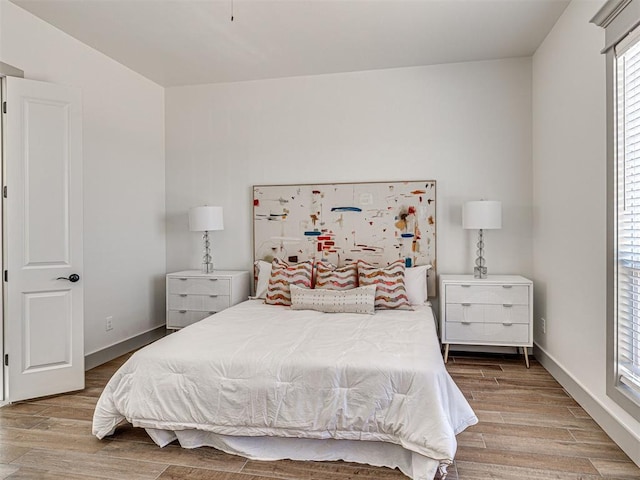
(543, 325)
(108, 323)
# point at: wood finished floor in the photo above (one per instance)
(529, 429)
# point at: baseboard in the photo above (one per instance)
(625, 439)
(114, 351)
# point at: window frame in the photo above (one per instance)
(619, 18)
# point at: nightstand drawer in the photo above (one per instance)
(213, 303)
(483, 313)
(199, 286)
(488, 294)
(488, 333)
(183, 318)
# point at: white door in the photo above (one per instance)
(42, 230)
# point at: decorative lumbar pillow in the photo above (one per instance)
(262, 271)
(330, 277)
(355, 300)
(391, 292)
(415, 281)
(282, 276)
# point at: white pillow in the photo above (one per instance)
(415, 281)
(355, 300)
(263, 270)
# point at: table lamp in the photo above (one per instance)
(481, 215)
(206, 219)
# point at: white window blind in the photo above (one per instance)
(627, 266)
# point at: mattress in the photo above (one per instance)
(260, 371)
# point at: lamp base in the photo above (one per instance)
(207, 268)
(479, 272)
(207, 264)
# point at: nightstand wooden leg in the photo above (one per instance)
(526, 356)
(446, 352)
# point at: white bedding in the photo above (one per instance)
(257, 370)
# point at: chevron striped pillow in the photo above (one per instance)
(330, 277)
(390, 292)
(283, 275)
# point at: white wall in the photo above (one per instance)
(569, 199)
(468, 126)
(123, 148)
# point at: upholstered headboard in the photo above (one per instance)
(377, 222)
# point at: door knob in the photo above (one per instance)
(74, 277)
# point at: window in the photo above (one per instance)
(626, 374)
(620, 20)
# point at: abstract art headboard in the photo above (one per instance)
(377, 222)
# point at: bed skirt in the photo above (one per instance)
(379, 454)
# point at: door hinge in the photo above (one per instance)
(4, 191)
(6, 359)
(6, 275)
(4, 107)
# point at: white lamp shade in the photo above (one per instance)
(482, 214)
(205, 219)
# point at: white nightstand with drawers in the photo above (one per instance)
(193, 295)
(497, 310)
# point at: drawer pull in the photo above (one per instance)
(211, 313)
(182, 311)
(465, 285)
(507, 305)
(213, 279)
(465, 323)
(507, 286)
(184, 279)
(213, 296)
(465, 304)
(183, 294)
(507, 324)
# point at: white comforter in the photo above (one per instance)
(261, 370)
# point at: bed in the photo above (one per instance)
(269, 382)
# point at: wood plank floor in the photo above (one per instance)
(529, 429)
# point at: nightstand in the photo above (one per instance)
(497, 310)
(193, 295)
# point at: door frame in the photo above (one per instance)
(3, 375)
(5, 70)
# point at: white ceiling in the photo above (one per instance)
(186, 42)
